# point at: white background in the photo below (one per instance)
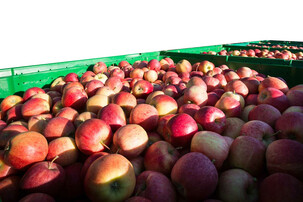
(35, 32)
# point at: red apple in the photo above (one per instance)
(38, 122)
(151, 75)
(10, 131)
(233, 127)
(58, 84)
(273, 82)
(164, 104)
(34, 106)
(58, 127)
(5, 170)
(252, 84)
(144, 115)
(251, 99)
(70, 77)
(95, 103)
(142, 89)
(114, 83)
(295, 95)
(265, 113)
(164, 64)
(32, 91)
(154, 65)
(222, 80)
(99, 67)
(189, 109)
(237, 86)
(125, 100)
(137, 73)
(231, 75)
(92, 87)
(74, 97)
(183, 66)
(37, 197)
(205, 66)
(14, 113)
(230, 106)
(83, 117)
(244, 72)
(9, 188)
(138, 164)
(195, 95)
(9, 102)
(113, 115)
(274, 97)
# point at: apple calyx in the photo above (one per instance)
(51, 163)
(115, 186)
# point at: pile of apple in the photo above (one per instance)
(276, 46)
(264, 53)
(154, 131)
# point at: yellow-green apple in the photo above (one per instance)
(237, 86)
(244, 148)
(211, 82)
(31, 92)
(118, 73)
(211, 119)
(183, 66)
(113, 115)
(96, 103)
(180, 129)
(14, 113)
(34, 106)
(25, 149)
(259, 130)
(9, 102)
(164, 64)
(233, 127)
(189, 109)
(70, 77)
(237, 185)
(274, 82)
(38, 122)
(285, 156)
(235, 96)
(9, 188)
(57, 84)
(290, 126)
(93, 135)
(205, 66)
(230, 75)
(130, 140)
(194, 176)
(251, 99)
(212, 145)
(114, 83)
(110, 178)
(92, 87)
(274, 97)
(265, 113)
(164, 104)
(155, 186)
(230, 106)
(72, 187)
(90, 159)
(65, 148)
(58, 127)
(281, 187)
(144, 115)
(45, 177)
(123, 63)
(36, 197)
(195, 95)
(74, 97)
(222, 80)
(171, 90)
(154, 65)
(105, 90)
(68, 112)
(10, 131)
(5, 170)
(289, 109)
(244, 72)
(137, 73)
(142, 89)
(151, 75)
(161, 157)
(252, 84)
(295, 95)
(101, 77)
(83, 117)
(126, 101)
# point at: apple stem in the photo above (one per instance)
(271, 135)
(104, 145)
(51, 163)
(117, 150)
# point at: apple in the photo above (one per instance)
(118, 73)
(38, 122)
(83, 117)
(259, 130)
(90, 159)
(235, 96)
(273, 82)
(273, 97)
(31, 92)
(14, 113)
(123, 63)
(244, 72)
(183, 66)
(93, 135)
(251, 99)
(180, 129)
(34, 106)
(172, 80)
(161, 129)
(95, 103)
(58, 84)
(113, 115)
(70, 77)
(164, 64)
(142, 89)
(289, 109)
(101, 77)
(161, 156)
(57, 105)
(222, 80)
(105, 90)
(154, 65)
(252, 84)
(92, 87)
(68, 112)
(244, 148)
(238, 87)
(233, 127)
(237, 185)
(58, 127)
(138, 164)
(164, 104)
(212, 145)
(169, 74)
(65, 148)
(281, 187)
(194, 176)
(144, 115)
(126, 101)
(195, 95)
(10, 131)
(196, 81)
(265, 113)
(211, 82)
(211, 119)
(99, 67)
(137, 73)
(9, 102)
(230, 106)
(155, 186)
(74, 97)
(44, 96)
(110, 178)
(205, 66)
(25, 149)
(70, 85)
(130, 140)
(137, 199)
(5, 170)
(231, 75)
(150, 75)
(295, 95)
(189, 109)
(114, 83)
(45, 177)
(9, 188)
(37, 197)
